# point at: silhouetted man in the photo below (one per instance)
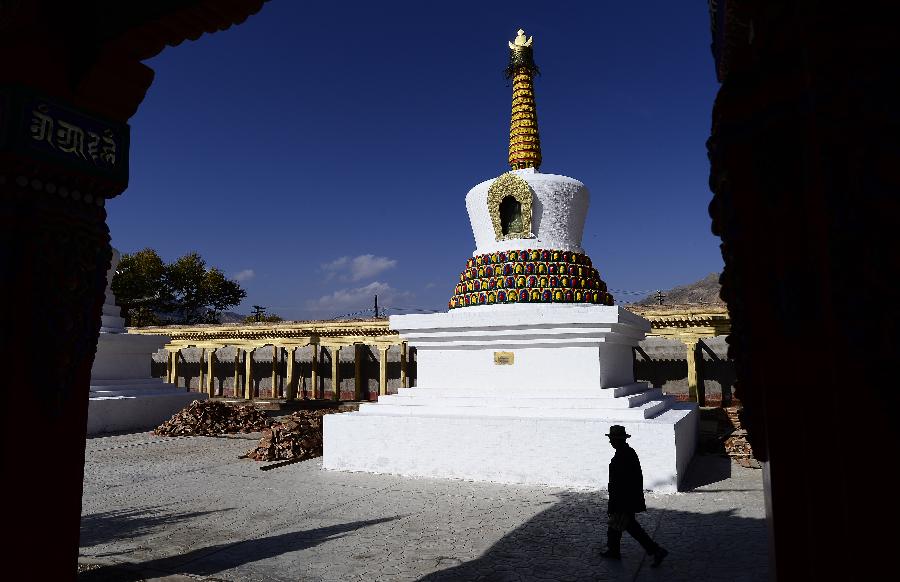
(626, 497)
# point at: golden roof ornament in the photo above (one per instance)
(524, 141)
(520, 40)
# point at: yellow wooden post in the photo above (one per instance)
(691, 345)
(201, 381)
(248, 375)
(335, 371)
(357, 372)
(403, 380)
(382, 370)
(210, 379)
(289, 390)
(237, 367)
(314, 374)
(698, 373)
(175, 367)
(275, 351)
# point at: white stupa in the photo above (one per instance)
(521, 379)
(123, 395)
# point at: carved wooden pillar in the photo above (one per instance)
(210, 379)
(248, 374)
(382, 370)
(700, 373)
(69, 82)
(275, 351)
(694, 362)
(357, 372)
(803, 156)
(201, 380)
(403, 379)
(290, 388)
(314, 373)
(55, 255)
(336, 371)
(237, 373)
(175, 354)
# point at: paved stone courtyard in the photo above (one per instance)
(188, 508)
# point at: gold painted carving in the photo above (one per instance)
(510, 185)
(72, 139)
(504, 358)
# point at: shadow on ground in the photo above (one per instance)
(705, 470)
(108, 526)
(561, 543)
(213, 559)
(706, 542)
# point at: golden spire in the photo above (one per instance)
(524, 141)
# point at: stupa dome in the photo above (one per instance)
(553, 209)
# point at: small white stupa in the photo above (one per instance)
(123, 395)
(521, 379)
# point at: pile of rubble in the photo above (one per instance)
(736, 444)
(297, 438)
(213, 418)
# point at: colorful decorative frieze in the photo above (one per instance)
(532, 276)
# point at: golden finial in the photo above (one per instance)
(524, 141)
(520, 40)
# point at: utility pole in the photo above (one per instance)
(660, 296)
(258, 311)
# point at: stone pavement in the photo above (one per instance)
(159, 508)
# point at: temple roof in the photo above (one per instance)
(282, 330)
(147, 26)
(89, 53)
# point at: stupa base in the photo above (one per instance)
(535, 450)
(123, 396)
(134, 404)
(521, 393)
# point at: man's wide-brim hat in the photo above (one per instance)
(617, 431)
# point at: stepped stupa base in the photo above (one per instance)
(123, 396)
(136, 404)
(518, 394)
(564, 452)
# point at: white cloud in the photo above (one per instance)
(358, 298)
(244, 275)
(358, 268)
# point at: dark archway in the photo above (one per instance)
(72, 77)
(511, 216)
(803, 149)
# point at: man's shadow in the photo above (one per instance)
(210, 560)
(563, 541)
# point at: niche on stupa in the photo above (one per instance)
(509, 202)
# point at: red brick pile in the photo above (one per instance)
(213, 418)
(299, 437)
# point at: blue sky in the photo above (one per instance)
(321, 152)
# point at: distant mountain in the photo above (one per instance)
(231, 317)
(703, 292)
